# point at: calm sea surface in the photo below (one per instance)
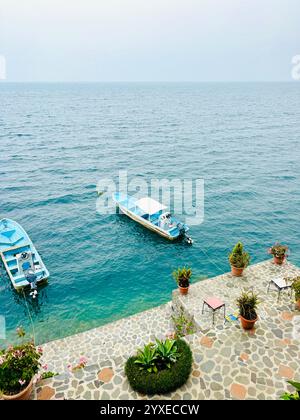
(58, 140)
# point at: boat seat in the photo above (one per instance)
(16, 249)
(8, 233)
(12, 243)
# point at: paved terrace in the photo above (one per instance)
(229, 363)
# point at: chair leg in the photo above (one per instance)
(203, 308)
(224, 312)
(279, 292)
(213, 317)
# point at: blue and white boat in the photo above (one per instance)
(153, 215)
(21, 260)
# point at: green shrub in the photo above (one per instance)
(183, 326)
(162, 381)
(238, 257)
(296, 395)
(47, 375)
(296, 287)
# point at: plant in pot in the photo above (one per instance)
(239, 260)
(18, 366)
(279, 253)
(296, 288)
(182, 277)
(247, 304)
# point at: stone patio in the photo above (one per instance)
(229, 363)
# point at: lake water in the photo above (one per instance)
(58, 140)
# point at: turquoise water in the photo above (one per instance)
(58, 140)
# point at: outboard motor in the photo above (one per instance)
(188, 240)
(26, 266)
(31, 277)
(182, 229)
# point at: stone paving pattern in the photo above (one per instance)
(229, 363)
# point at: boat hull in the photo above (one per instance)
(146, 224)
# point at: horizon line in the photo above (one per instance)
(147, 81)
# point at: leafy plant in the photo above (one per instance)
(182, 276)
(167, 353)
(165, 380)
(47, 375)
(296, 395)
(279, 251)
(182, 325)
(238, 258)
(147, 357)
(296, 287)
(18, 365)
(247, 304)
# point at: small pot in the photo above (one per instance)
(278, 261)
(247, 324)
(236, 272)
(183, 290)
(298, 304)
(23, 395)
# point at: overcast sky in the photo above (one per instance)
(149, 40)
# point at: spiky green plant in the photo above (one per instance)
(247, 304)
(147, 358)
(182, 276)
(238, 258)
(167, 352)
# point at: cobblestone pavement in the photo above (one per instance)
(229, 363)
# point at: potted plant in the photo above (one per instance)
(279, 253)
(247, 304)
(160, 367)
(18, 366)
(239, 260)
(296, 288)
(182, 277)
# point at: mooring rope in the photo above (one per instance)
(29, 314)
(211, 261)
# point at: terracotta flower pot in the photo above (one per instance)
(236, 272)
(23, 395)
(183, 290)
(278, 261)
(246, 323)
